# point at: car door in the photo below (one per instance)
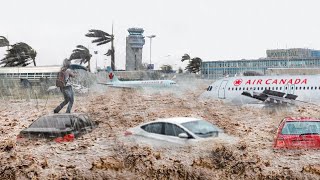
(172, 132)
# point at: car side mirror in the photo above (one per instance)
(183, 135)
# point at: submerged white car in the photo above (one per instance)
(178, 130)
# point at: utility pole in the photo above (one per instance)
(152, 36)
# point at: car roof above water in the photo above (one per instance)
(64, 114)
(301, 119)
(177, 120)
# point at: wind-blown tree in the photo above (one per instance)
(20, 54)
(185, 57)
(194, 63)
(166, 68)
(83, 54)
(3, 41)
(103, 38)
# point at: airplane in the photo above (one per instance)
(273, 90)
(116, 83)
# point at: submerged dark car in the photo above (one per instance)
(61, 127)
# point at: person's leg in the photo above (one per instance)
(71, 98)
(66, 100)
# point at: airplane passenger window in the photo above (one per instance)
(308, 87)
(247, 88)
(293, 87)
(304, 88)
(229, 88)
(311, 88)
(300, 88)
(286, 87)
(236, 88)
(272, 88)
(315, 87)
(254, 88)
(232, 89)
(280, 88)
(276, 88)
(296, 88)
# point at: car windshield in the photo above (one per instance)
(301, 127)
(201, 128)
(58, 122)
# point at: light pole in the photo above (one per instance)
(151, 36)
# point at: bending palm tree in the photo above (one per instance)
(194, 63)
(20, 54)
(3, 41)
(83, 54)
(103, 38)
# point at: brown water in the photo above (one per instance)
(106, 154)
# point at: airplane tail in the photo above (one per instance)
(111, 76)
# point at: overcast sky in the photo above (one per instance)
(209, 29)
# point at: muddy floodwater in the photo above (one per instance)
(245, 153)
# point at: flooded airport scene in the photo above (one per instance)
(159, 90)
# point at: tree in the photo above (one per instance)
(3, 41)
(194, 63)
(185, 57)
(166, 68)
(103, 38)
(20, 54)
(180, 70)
(83, 54)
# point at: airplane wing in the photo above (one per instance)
(273, 97)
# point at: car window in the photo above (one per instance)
(301, 127)
(85, 119)
(58, 122)
(202, 128)
(80, 124)
(154, 128)
(172, 129)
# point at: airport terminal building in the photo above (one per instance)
(278, 58)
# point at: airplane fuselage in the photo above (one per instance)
(147, 83)
(306, 87)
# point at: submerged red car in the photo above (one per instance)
(298, 133)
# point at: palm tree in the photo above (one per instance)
(185, 57)
(3, 41)
(103, 38)
(194, 63)
(20, 54)
(166, 68)
(81, 53)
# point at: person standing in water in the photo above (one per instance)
(63, 82)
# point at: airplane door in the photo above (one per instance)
(222, 90)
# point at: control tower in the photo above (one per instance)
(134, 45)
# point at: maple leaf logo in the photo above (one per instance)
(111, 76)
(237, 82)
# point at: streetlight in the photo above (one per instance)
(151, 36)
